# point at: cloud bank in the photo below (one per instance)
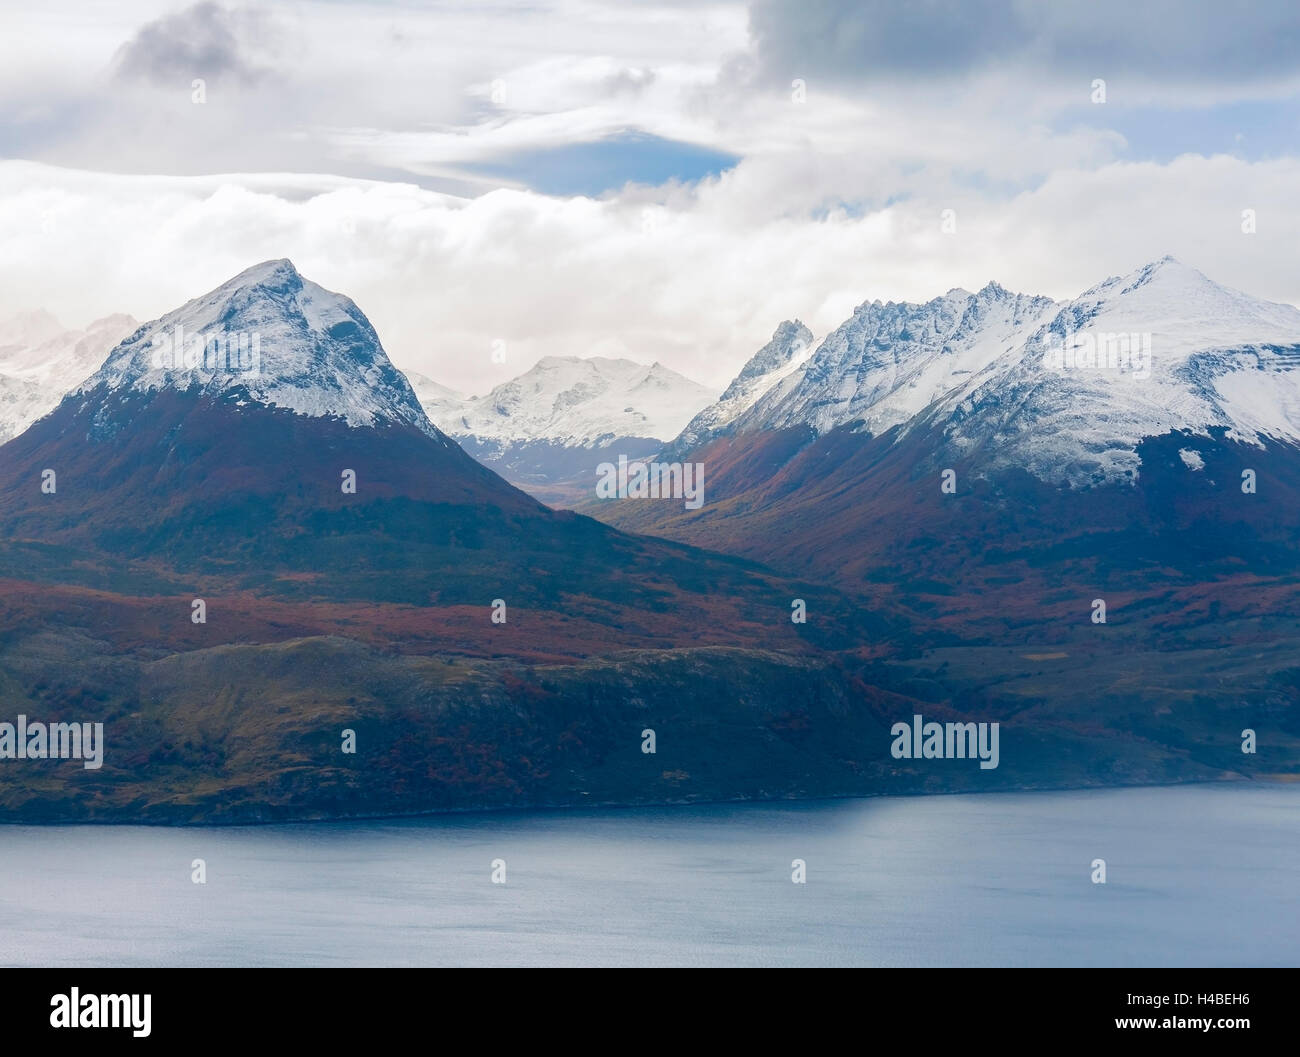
(647, 180)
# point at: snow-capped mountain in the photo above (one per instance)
(776, 361)
(238, 421)
(268, 337)
(541, 430)
(1201, 356)
(1115, 437)
(577, 403)
(1064, 390)
(889, 361)
(40, 361)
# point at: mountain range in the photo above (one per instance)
(542, 431)
(1090, 506)
(243, 534)
(1130, 399)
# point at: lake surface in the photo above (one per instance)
(1196, 875)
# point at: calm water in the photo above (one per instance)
(1206, 875)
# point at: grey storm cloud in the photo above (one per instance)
(854, 41)
(629, 80)
(205, 40)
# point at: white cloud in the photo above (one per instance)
(837, 198)
(698, 285)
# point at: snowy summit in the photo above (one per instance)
(1065, 390)
(270, 337)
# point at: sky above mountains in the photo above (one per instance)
(493, 183)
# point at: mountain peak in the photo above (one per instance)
(778, 360)
(271, 277)
(1164, 271)
(275, 272)
(594, 363)
(268, 336)
(1183, 310)
(1166, 268)
(29, 328)
(790, 341)
(115, 319)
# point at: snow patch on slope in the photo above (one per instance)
(1207, 367)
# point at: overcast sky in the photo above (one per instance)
(653, 180)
